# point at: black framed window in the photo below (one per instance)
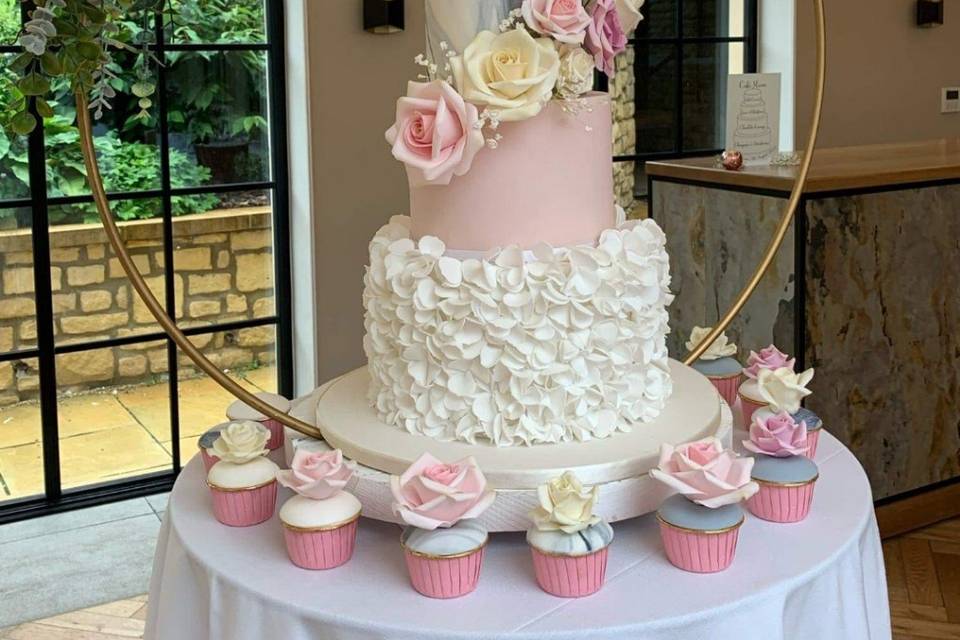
(669, 91)
(96, 403)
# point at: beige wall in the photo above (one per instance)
(355, 79)
(883, 72)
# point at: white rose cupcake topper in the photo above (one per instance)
(241, 442)
(782, 389)
(719, 348)
(565, 505)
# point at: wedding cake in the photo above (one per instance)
(515, 305)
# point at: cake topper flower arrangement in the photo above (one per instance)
(542, 50)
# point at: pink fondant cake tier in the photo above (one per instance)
(549, 180)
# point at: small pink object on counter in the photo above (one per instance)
(241, 411)
(731, 160)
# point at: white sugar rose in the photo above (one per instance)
(576, 73)
(782, 389)
(629, 13)
(241, 442)
(720, 348)
(511, 73)
(565, 505)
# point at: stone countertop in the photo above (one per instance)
(836, 169)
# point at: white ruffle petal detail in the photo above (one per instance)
(518, 348)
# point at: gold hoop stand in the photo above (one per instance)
(183, 342)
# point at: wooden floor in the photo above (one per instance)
(923, 574)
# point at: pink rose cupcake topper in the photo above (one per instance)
(317, 475)
(605, 36)
(431, 494)
(706, 473)
(769, 358)
(564, 20)
(435, 133)
(777, 435)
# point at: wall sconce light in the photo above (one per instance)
(929, 13)
(383, 16)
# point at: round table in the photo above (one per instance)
(822, 578)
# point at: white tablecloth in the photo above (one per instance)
(822, 579)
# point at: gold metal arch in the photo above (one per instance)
(183, 342)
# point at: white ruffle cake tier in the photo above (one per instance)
(618, 465)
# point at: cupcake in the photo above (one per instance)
(239, 410)
(443, 547)
(205, 443)
(749, 392)
(700, 525)
(243, 483)
(569, 543)
(814, 427)
(320, 522)
(786, 488)
(717, 363)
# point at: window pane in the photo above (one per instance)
(656, 72)
(107, 431)
(704, 95)
(218, 117)
(220, 21)
(706, 18)
(659, 19)
(9, 22)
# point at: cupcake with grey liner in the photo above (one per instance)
(205, 444)
(700, 524)
(570, 544)
(239, 410)
(769, 358)
(243, 482)
(442, 543)
(717, 363)
(320, 522)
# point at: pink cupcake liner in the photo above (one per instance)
(246, 507)
(444, 577)
(813, 439)
(699, 552)
(747, 408)
(323, 549)
(208, 460)
(570, 576)
(276, 434)
(782, 503)
(728, 387)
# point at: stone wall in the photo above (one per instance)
(621, 88)
(223, 272)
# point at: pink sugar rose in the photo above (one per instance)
(705, 473)
(431, 494)
(777, 435)
(317, 475)
(563, 20)
(769, 358)
(605, 37)
(434, 133)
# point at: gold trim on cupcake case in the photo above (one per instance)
(706, 531)
(235, 490)
(773, 483)
(326, 527)
(726, 377)
(453, 556)
(554, 554)
(749, 399)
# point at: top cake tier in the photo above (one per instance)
(550, 179)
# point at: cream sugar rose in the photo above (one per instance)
(243, 482)
(717, 363)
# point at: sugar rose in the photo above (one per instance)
(511, 73)
(241, 442)
(317, 475)
(629, 13)
(782, 389)
(605, 36)
(565, 505)
(777, 435)
(434, 133)
(431, 494)
(768, 358)
(576, 73)
(706, 473)
(563, 20)
(720, 348)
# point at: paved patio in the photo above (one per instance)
(113, 433)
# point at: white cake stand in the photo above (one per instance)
(618, 465)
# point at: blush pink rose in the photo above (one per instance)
(777, 435)
(605, 36)
(431, 494)
(563, 20)
(706, 473)
(434, 133)
(769, 358)
(317, 475)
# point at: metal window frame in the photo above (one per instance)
(55, 498)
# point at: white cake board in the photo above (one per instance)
(626, 491)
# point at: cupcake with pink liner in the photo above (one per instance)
(700, 525)
(814, 427)
(240, 410)
(783, 472)
(717, 363)
(205, 444)
(320, 522)
(443, 545)
(769, 358)
(243, 482)
(569, 543)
